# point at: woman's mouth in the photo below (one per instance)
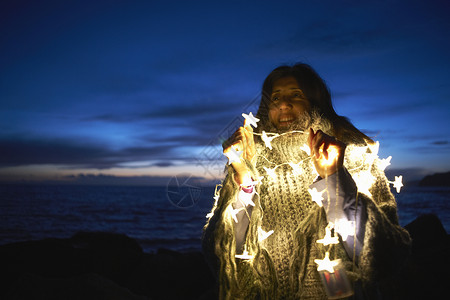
(285, 121)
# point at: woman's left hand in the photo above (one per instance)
(327, 152)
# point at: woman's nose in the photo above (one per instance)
(285, 103)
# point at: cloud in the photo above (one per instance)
(20, 152)
(112, 180)
(439, 143)
(392, 109)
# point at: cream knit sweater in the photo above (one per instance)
(283, 265)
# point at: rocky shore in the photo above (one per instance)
(110, 266)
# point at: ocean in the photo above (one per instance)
(157, 217)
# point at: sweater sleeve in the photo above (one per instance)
(348, 215)
(387, 245)
(229, 199)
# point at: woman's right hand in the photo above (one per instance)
(242, 140)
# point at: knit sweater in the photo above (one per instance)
(282, 266)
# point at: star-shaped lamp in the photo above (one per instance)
(345, 228)
(316, 196)
(384, 163)
(295, 168)
(306, 149)
(328, 239)
(234, 212)
(233, 155)
(326, 264)
(246, 198)
(267, 140)
(244, 255)
(398, 183)
(262, 235)
(251, 119)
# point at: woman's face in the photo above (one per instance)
(287, 102)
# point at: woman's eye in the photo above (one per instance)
(275, 98)
(298, 96)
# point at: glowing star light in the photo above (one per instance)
(233, 155)
(250, 182)
(306, 149)
(234, 212)
(326, 264)
(251, 119)
(246, 198)
(398, 183)
(384, 163)
(262, 235)
(333, 153)
(216, 198)
(364, 181)
(267, 140)
(374, 148)
(316, 196)
(345, 228)
(244, 255)
(328, 239)
(270, 172)
(295, 168)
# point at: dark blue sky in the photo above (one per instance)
(132, 88)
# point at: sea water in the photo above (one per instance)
(154, 216)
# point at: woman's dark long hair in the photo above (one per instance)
(317, 93)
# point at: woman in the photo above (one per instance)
(265, 238)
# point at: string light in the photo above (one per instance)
(244, 255)
(345, 228)
(332, 156)
(270, 172)
(295, 168)
(326, 264)
(328, 239)
(251, 119)
(365, 156)
(246, 198)
(267, 140)
(384, 163)
(233, 155)
(364, 181)
(250, 182)
(374, 148)
(234, 213)
(398, 183)
(316, 196)
(262, 235)
(306, 149)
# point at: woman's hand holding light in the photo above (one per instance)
(327, 153)
(241, 140)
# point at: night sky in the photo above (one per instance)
(149, 88)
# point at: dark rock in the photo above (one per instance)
(428, 272)
(172, 275)
(114, 256)
(87, 286)
(427, 231)
(438, 179)
(112, 266)
(100, 266)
